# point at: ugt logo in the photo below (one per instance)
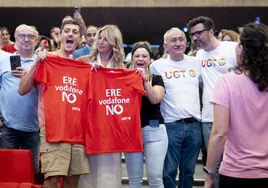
(71, 97)
(114, 109)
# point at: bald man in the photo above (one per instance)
(180, 109)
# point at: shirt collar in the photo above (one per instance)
(30, 59)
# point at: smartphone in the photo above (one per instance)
(14, 62)
(77, 9)
(154, 123)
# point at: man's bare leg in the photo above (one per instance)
(52, 182)
(71, 181)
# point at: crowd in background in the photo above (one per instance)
(213, 99)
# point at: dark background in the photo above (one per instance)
(135, 23)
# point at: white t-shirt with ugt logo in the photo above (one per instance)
(214, 64)
(181, 79)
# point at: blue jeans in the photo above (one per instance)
(14, 139)
(206, 130)
(155, 143)
(184, 142)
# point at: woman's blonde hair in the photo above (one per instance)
(114, 37)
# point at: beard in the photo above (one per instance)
(200, 44)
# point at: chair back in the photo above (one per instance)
(16, 165)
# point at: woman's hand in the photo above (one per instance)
(142, 72)
(209, 182)
(96, 66)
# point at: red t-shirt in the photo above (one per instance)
(114, 112)
(9, 48)
(65, 98)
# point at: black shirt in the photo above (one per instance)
(151, 111)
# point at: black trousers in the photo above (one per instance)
(229, 182)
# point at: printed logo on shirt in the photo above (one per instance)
(180, 74)
(192, 73)
(113, 103)
(213, 62)
(69, 90)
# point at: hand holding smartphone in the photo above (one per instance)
(77, 9)
(16, 69)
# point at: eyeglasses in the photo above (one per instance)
(23, 36)
(197, 33)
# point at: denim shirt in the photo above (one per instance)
(19, 112)
(85, 50)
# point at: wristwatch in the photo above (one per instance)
(209, 172)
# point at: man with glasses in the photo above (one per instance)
(20, 129)
(217, 58)
(89, 38)
(180, 109)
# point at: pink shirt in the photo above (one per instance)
(246, 148)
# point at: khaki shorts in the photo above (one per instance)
(62, 159)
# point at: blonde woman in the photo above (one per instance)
(107, 51)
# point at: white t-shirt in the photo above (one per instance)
(181, 79)
(214, 64)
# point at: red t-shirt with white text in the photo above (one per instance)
(114, 112)
(65, 98)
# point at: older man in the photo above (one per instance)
(180, 108)
(20, 120)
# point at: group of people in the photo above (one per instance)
(232, 121)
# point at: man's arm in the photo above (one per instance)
(80, 20)
(27, 82)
